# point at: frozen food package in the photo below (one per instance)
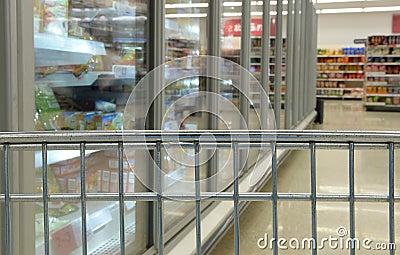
(55, 17)
(47, 107)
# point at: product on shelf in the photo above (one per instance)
(105, 165)
(180, 47)
(383, 72)
(255, 63)
(378, 40)
(47, 108)
(101, 174)
(342, 51)
(92, 121)
(340, 72)
(55, 17)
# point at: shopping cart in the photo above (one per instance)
(115, 141)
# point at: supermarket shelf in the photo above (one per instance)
(383, 64)
(340, 97)
(67, 79)
(375, 104)
(343, 64)
(383, 56)
(128, 40)
(385, 46)
(176, 49)
(382, 107)
(340, 79)
(340, 56)
(53, 50)
(382, 95)
(324, 96)
(392, 106)
(340, 71)
(387, 61)
(353, 97)
(377, 84)
(359, 89)
(237, 56)
(100, 225)
(383, 84)
(381, 74)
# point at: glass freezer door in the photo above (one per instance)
(89, 55)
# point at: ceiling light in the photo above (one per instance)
(336, 1)
(359, 10)
(256, 13)
(285, 2)
(232, 4)
(342, 10)
(232, 14)
(194, 5)
(236, 4)
(186, 15)
(238, 14)
(382, 9)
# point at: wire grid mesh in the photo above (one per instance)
(289, 140)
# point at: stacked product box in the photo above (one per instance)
(92, 121)
(107, 166)
(101, 173)
(68, 175)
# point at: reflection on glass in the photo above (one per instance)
(186, 35)
(187, 107)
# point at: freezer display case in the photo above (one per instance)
(89, 56)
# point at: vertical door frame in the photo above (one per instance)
(17, 113)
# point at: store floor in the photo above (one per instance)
(294, 218)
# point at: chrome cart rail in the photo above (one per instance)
(288, 140)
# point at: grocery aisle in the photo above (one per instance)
(294, 218)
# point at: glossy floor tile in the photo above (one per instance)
(294, 218)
